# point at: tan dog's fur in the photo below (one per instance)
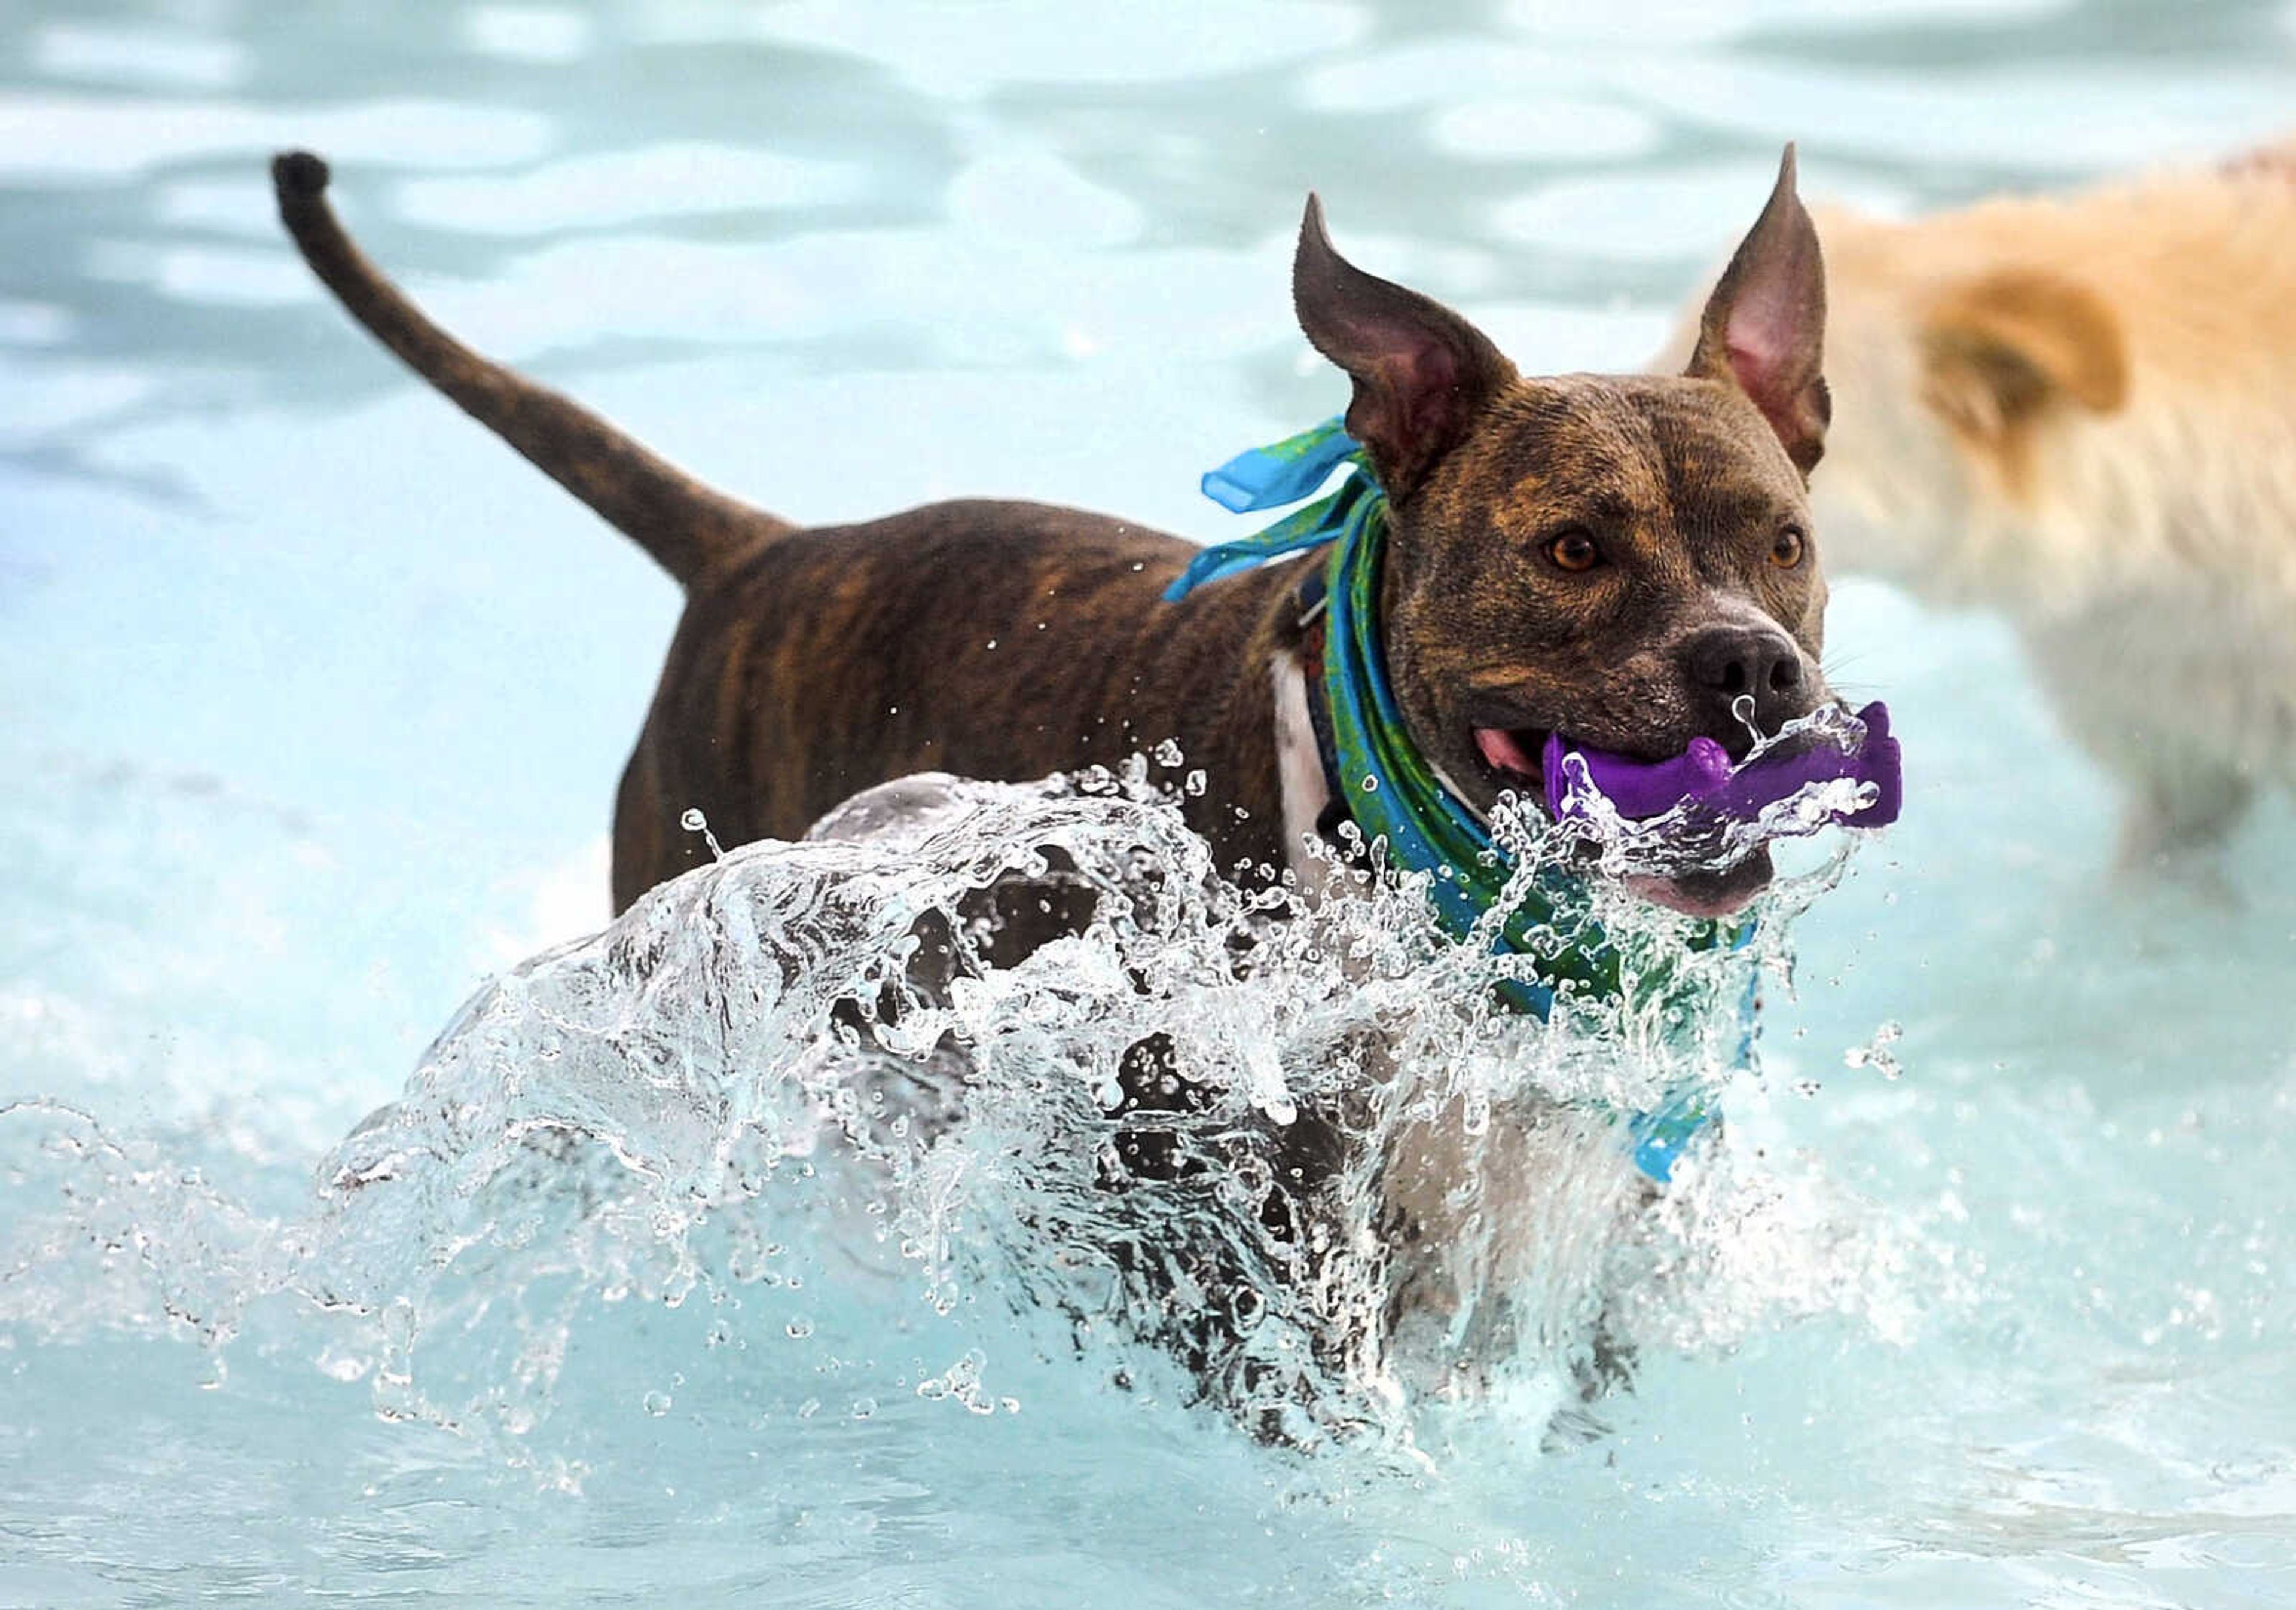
(2081, 411)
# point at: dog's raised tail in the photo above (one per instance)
(686, 526)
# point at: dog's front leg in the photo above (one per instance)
(2179, 816)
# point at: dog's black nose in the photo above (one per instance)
(1727, 664)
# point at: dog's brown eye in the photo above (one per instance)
(1574, 550)
(1786, 552)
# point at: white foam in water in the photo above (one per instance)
(1298, 1160)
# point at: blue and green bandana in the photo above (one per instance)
(1388, 786)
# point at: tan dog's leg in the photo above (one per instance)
(2179, 814)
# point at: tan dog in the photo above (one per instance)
(2081, 411)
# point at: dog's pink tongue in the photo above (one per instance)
(1504, 752)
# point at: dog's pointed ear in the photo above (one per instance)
(2000, 349)
(1764, 327)
(1421, 373)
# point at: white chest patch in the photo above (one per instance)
(1298, 769)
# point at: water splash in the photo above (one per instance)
(1022, 1048)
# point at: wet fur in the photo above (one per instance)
(811, 664)
(991, 639)
(1008, 642)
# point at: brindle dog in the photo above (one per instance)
(1622, 559)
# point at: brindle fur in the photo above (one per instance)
(1011, 640)
(1670, 475)
(992, 639)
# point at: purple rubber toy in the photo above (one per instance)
(1703, 774)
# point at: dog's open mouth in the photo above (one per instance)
(1514, 758)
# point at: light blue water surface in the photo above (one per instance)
(312, 699)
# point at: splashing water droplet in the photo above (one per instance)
(693, 821)
(1877, 1053)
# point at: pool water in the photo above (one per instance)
(313, 698)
